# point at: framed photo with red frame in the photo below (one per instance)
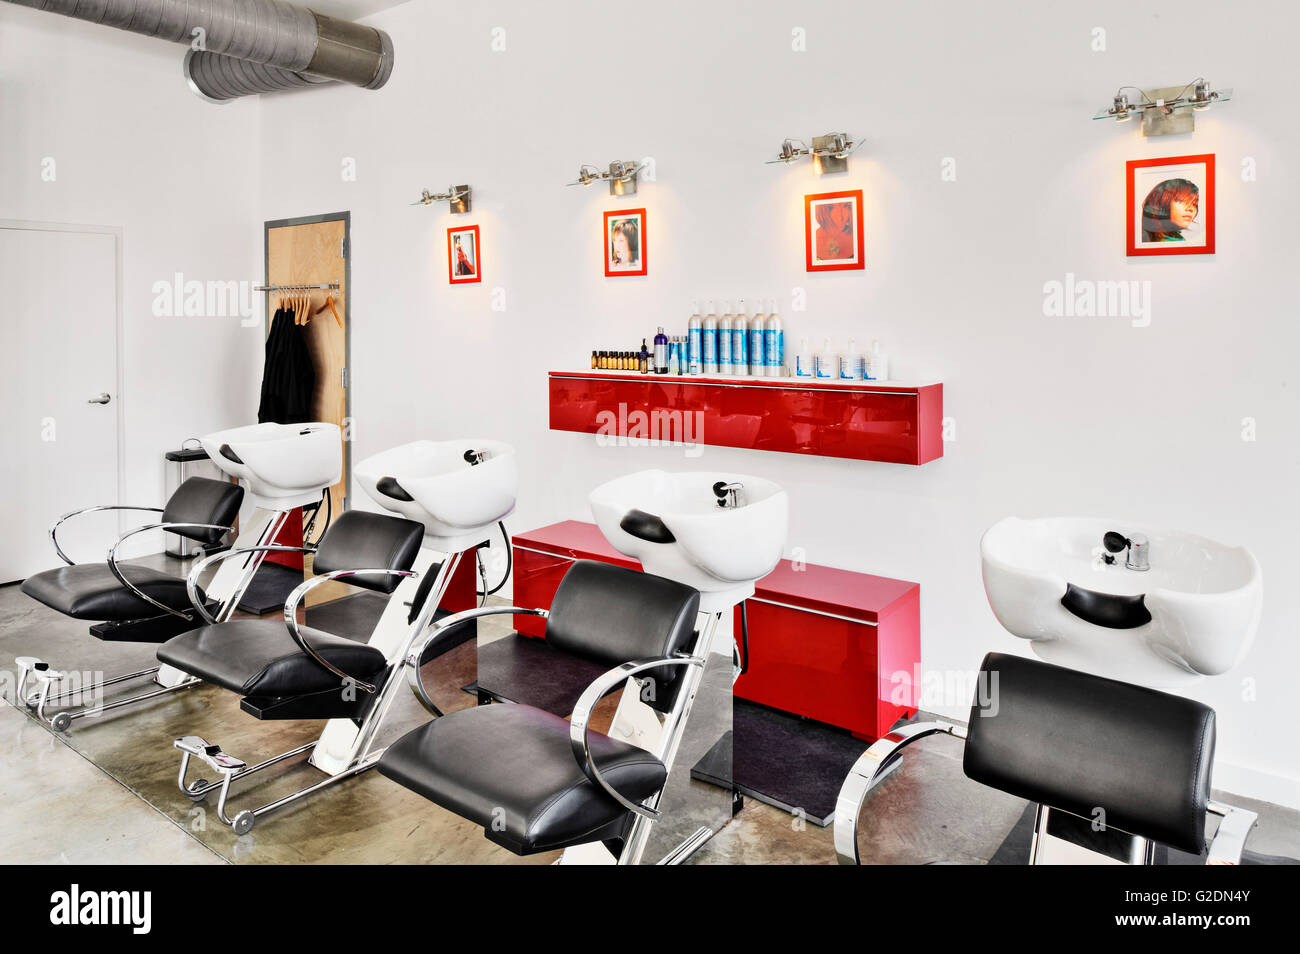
(464, 257)
(625, 244)
(1169, 208)
(832, 231)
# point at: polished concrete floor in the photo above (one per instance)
(105, 792)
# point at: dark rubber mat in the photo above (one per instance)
(270, 587)
(521, 669)
(784, 760)
(1014, 849)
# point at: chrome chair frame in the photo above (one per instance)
(365, 755)
(674, 722)
(885, 755)
(30, 667)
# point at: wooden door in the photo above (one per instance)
(314, 251)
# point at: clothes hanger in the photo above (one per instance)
(329, 303)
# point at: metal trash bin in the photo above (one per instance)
(182, 464)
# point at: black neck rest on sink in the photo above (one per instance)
(1133, 758)
(1106, 609)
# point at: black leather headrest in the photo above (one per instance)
(203, 500)
(614, 615)
(361, 540)
(1082, 743)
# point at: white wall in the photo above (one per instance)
(1054, 416)
(134, 148)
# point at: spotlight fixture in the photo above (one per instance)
(1167, 110)
(621, 176)
(830, 153)
(457, 197)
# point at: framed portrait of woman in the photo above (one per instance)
(625, 245)
(464, 258)
(832, 228)
(1170, 206)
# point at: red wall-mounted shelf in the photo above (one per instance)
(864, 420)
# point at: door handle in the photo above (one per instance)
(102, 398)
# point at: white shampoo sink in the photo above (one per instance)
(282, 465)
(458, 489)
(673, 524)
(1194, 613)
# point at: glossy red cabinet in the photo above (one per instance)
(889, 422)
(833, 645)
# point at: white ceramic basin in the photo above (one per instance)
(1047, 582)
(282, 465)
(721, 551)
(458, 502)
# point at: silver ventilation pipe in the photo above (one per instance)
(242, 47)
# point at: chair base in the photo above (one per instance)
(329, 704)
(154, 629)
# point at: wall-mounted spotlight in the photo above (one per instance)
(621, 176)
(830, 153)
(1164, 111)
(457, 198)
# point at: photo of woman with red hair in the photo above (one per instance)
(1170, 206)
(1169, 209)
(833, 231)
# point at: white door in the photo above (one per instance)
(59, 361)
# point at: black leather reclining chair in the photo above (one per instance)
(537, 782)
(129, 603)
(1114, 767)
(284, 670)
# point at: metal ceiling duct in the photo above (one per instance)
(243, 47)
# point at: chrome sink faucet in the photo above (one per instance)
(728, 493)
(1137, 547)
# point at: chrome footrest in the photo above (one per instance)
(212, 754)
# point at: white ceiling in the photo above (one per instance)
(349, 9)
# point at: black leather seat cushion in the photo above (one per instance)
(91, 591)
(1079, 742)
(516, 760)
(258, 657)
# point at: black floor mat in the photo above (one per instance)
(783, 760)
(355, 616)
(1014, 849)
(270, 587)
(521, 669)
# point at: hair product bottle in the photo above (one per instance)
(724, 339)
(756, 364)
(773, 342)
(661, 352)
(740, 340)
(694, 341)
(824, 361)
(710, 350)
(803, 360)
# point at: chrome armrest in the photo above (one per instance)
(54, 527)
(1230, 840)
(601, 687)
(447, 622)
(300, 593)
(116, 571)
(867, 772)
(196, 571)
